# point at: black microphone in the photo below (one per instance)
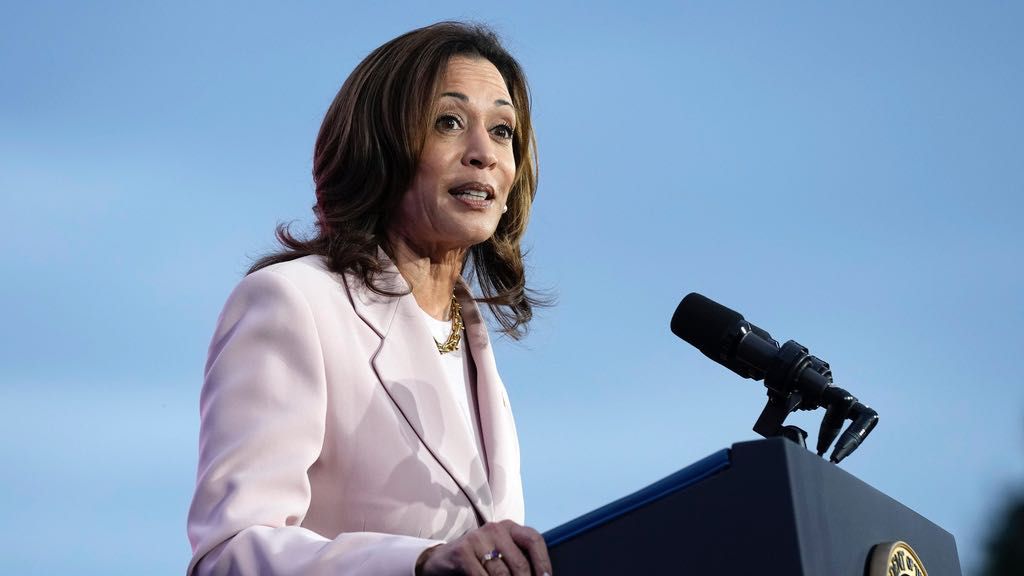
(794, 378)
(724, 336)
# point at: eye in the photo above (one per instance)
(503, 131)
(448, 123)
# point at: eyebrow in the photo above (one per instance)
(464, 98)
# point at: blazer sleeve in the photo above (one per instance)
(262, 423)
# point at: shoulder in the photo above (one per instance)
(304, 271)
(300, 285)
(307, 276)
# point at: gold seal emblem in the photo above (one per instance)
(895, 559)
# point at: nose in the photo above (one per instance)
(479, 151)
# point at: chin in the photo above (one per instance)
(473, 235)
(477, 239)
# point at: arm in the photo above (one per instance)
(262, 423)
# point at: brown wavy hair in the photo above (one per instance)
(366, 155)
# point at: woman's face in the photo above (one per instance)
(466, 167)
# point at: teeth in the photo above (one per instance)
(477, 194)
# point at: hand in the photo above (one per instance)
(522, 553)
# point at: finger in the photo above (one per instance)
(488, 556)
(533, 544)
(518, 564)
(493, 562)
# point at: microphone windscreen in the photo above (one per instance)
(703, 322)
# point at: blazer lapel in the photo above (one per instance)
(410, 370)
(497, 427)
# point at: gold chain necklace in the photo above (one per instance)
(452, 343)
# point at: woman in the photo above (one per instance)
(352, 418)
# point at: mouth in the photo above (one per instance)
(477, 191)
(474, 195)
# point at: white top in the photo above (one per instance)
(457, 369)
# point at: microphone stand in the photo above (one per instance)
(799, 381)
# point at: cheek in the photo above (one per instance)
(510, 170)
(423, 189)
(426, 173)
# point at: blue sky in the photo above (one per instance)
(845, 174)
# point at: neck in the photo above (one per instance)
(432, 273)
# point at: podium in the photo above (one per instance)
(767, 507)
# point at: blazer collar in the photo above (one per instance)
(409, 367)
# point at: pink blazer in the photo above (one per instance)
(329, 440)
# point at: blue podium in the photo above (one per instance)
(767, 507)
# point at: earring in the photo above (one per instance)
(504, 209)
